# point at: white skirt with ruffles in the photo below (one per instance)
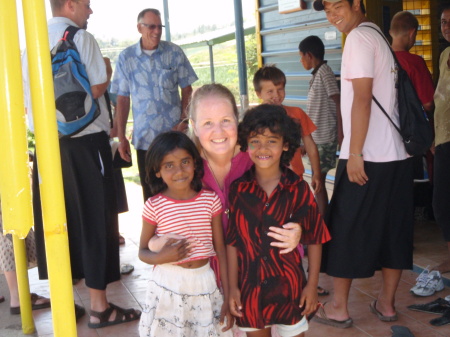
(182, 302)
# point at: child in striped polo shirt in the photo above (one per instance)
(182, 298)
(323, 107)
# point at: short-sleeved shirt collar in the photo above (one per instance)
(316, 69)
(139, 51)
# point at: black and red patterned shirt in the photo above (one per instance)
(270, 282)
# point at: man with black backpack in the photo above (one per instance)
(86, 160)
(370, 216)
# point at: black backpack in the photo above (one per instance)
(415, 127)
(76, 108)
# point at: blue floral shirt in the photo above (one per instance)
(152, 81)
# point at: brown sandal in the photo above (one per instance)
(34, 305)
(122, 316)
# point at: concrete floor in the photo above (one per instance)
(130, 290)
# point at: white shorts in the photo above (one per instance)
(285, 330)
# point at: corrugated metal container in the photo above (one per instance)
(280, 36)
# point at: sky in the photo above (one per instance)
(118, 18)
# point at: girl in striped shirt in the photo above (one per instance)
(182, 296)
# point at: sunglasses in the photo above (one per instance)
(152, 27)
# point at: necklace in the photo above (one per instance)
(212, 171)
(226, 211)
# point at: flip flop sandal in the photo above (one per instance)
(34, 306)
(381, 317)
(322, 292)
(444, 320)
(321, 317)
(310, 316)
(438, 307)
(122, 316)
(126, 269)
(401, 331)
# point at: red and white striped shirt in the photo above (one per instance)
(189, 218)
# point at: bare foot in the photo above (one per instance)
(443, 268)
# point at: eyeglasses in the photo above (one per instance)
(152, 27)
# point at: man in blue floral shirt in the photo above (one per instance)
(150, 72)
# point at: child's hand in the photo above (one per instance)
(235, 302)
(287, 237)
(225, 312)
(174, 250)
(302, 150)
(309, 300)
(157, 242)
(316, 182)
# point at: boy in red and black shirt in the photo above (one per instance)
(268, 288)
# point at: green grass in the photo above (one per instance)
(225, 68)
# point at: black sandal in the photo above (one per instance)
(444, 320)
(122, 316)
(79, 311)
(322, 292)
(401, 331)
(438, 307)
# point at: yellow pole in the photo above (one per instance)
(258, 34)
(14, 169)
(49, 161)
(24, 287)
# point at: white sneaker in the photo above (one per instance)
(428, 284)
(421, 279)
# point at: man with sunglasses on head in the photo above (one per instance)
(150, 72)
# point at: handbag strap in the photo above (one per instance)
(397, 64)
(385, 113)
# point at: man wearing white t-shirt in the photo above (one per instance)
(370, 215)
(86, 163)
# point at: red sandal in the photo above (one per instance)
(122, 316)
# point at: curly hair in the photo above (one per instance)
(162, 145)
(273, 117)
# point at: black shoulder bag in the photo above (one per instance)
(415, 128)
